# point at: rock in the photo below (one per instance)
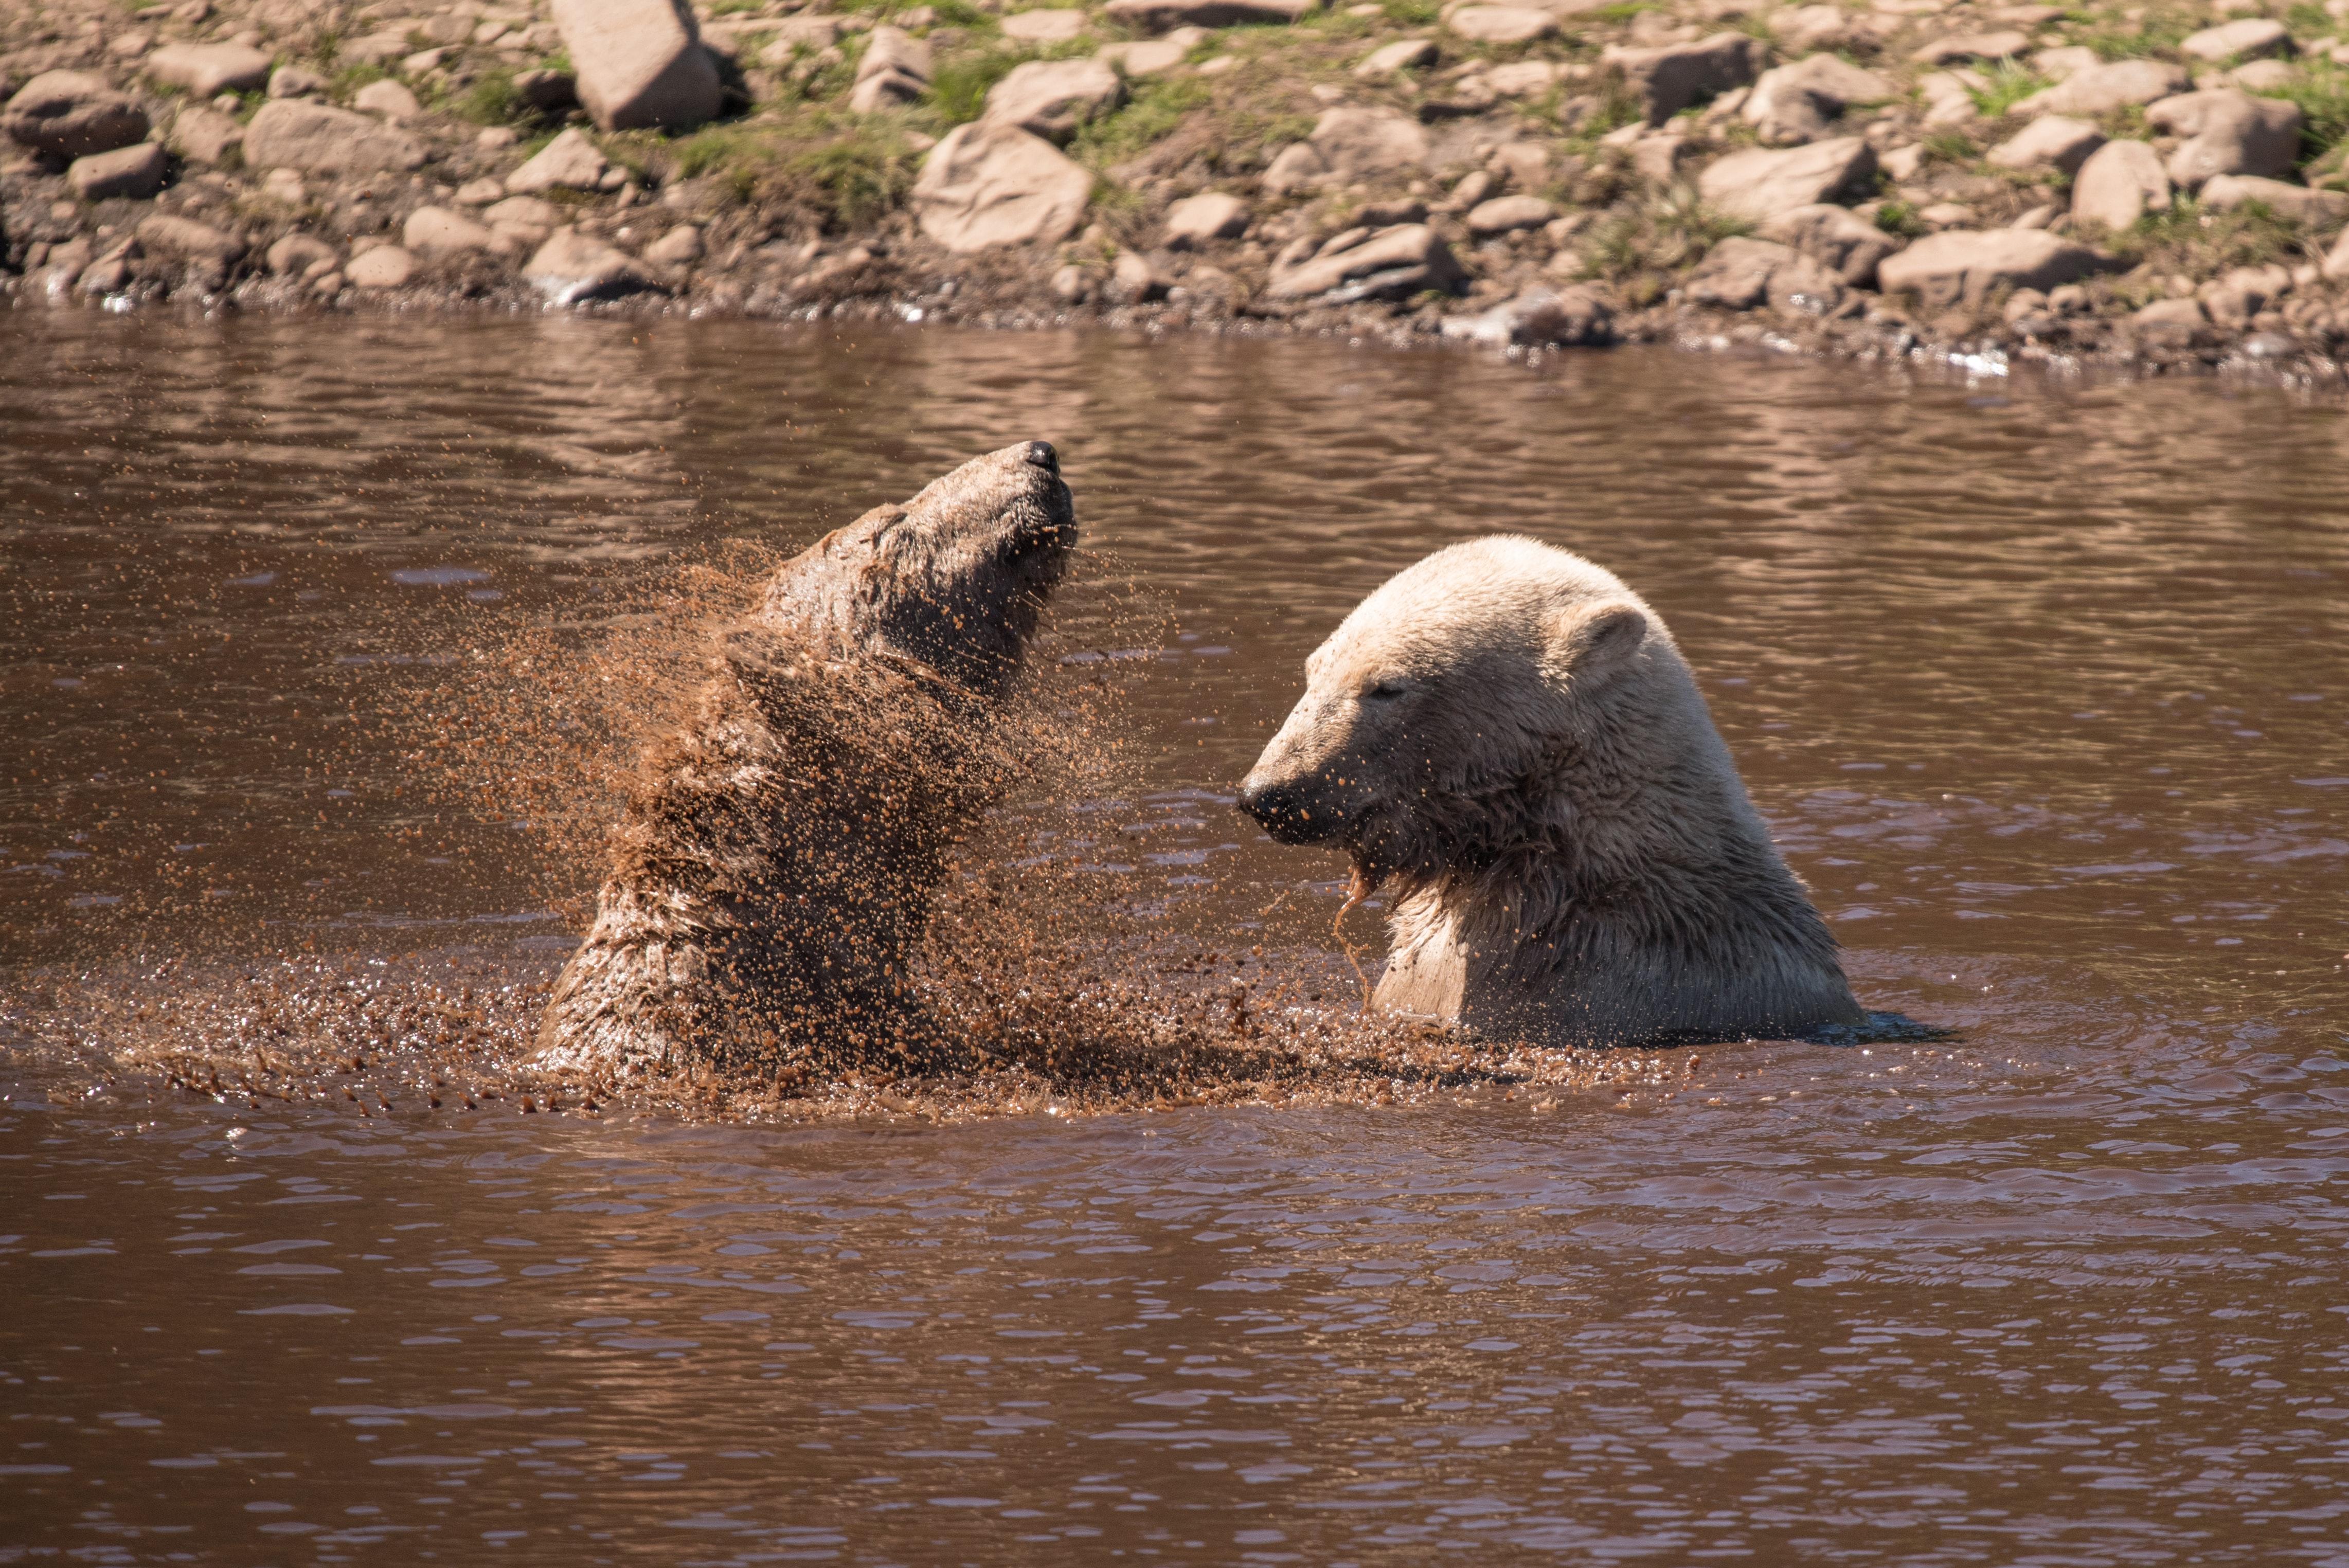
(422, 61)
(1837, 238)
(290, 133)
(1740, 274)
(526, 218)
(2264, 76)
(2228, 131)
(2251, 39)
(71, 114)
(1967, 46)
(569, 163)
(1134, 280)
(2103, 89)
(1965, 266)
(1350, 146)
(1408, 54)
(1051, 99)
(1160, 15)
(895, 49)
(1540, 318)
(2051, 142)
(2120, 183)
(382, 267)
(2293, 204)
(1501, 24)
(1758, 186)
(388, 99)
(989, 185)
(1669, 78)
(548, 92)
(2058, 65)
(202, 135)
(437, 231)
(135, 172)
(1043, 27)
(298, 255)
(884, 90)
(680, 247)
(189, 240)
(639, 63)
(479, 192)
(2183, 315)
(1506, 214)
(1372, 263)
(295, 81)
(1521, 78)
(207, 70)
(1211, 215)
(570, 267)
(1150, 56)
(1950, 98)
(1809, 27)
(1795, 104)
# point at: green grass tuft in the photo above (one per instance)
(2010, 84)
(2322, 91)
(1156, 107)
(958, 92)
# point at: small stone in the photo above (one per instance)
(1740, 274)
(1540, 318)
(1758, 185)
(1670, 78)
(300, 255)
(1501, 24)
(497, 138)
(1795, 104)
(388, 99)
(2120, 183)
(189, 240)
(2051, 142)
(1837, 238)
(437, 231)
(383, 267)
(1070, 283)
(2264, 76)
(1349, 147)
(884, 90)
(1507, 214)
(204, 69)
(1043, 27)
(680, 247)
(1384, 263)
(2251, 39)
(639, 63)
(571, 268)
(1407, 55)
(136, 172)
(1966, 267)
(2173, 313)
(128, 47)
(893, 49)
(992, 185)
(293, 133)
(423, 62)
(1164, 16)
(569, 163)
(2106, 90)
(285, 185)
(479, 192)
(1968, 46)
(1152, 57)
(2227, 131)
(295, 81)
(2293, 204)
(71, 114)
(1198, 219)
(1051, 99)
(202, 135)
(525, 213)
(1134, 280)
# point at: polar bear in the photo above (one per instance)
(775, 866)
(1507, 740)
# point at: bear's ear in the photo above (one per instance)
(1593, 640)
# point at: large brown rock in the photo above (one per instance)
(1051, 99)
(639, 63)
(202, 134)
(990, 185)
(1837, 238)
(1743, 274)
(1164, 16)
(1671, 76)
(1372, 263)
(189, 240)
(569, 163)
(72, 114)
(2293, 204)
(2103, 89)
(2227, 131)
(136, 171)
(2120, 183)
(437, 231)
(1208, 216)
(207, 70)
(571, 268)
(1965, 266)
(1540, 318)
(1349, 146)
(2051, 142)
(1501, 24)
(1758, 185)
(2250, 38)
(1795, 104)
(289, 133)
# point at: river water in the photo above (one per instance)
(2042, 688)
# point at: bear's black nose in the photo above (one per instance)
(1041, 454)
(1283, 811)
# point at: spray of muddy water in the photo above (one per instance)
(1051, 988)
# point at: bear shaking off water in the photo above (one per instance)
(1507, 738)
(775, 866)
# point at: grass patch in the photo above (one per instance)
(493, 100)
(1152, 112)
(959, 90)
(1644, 247)
(2010, 84)
(1411, 13)
(1899, 217)
(2322, 91)
(821, 171)
(351, 78)
(2198, 243)
(2151, 36)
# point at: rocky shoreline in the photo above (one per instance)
(2146, 188)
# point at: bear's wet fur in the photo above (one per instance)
(1507, 741)
(777, 860)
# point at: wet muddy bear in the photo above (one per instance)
(776, 863)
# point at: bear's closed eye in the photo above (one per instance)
(1390, 688)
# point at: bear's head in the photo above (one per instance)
(1452, 717)
(954, 579)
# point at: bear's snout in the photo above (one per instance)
(1041, 454)
(1288, 812)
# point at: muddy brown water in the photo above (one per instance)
(2042, 688)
